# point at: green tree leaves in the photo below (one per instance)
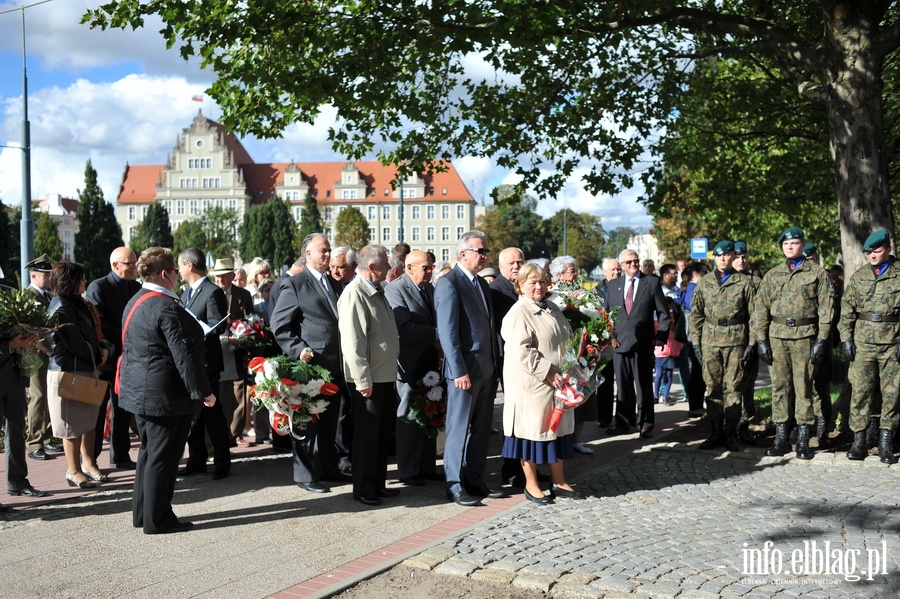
(98, 232)
(351, 229)
(269, 231)
(46, 238)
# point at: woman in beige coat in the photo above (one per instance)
(536, 335)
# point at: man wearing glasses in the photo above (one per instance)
(110, 294)
(465, 324)
(636, 298)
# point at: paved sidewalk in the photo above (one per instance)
(663, 519)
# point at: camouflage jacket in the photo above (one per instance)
(804, 294)
(720, 313)
(865, 295)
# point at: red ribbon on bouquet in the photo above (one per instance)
(566, 398)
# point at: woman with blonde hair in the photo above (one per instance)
(257, 270)
(536, 335)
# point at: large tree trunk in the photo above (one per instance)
(856, 134)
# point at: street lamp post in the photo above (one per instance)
(26, 227)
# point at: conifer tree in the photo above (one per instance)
(46, 238)
(98, 231)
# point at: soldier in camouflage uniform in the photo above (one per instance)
(741, 264)
(720, 321)
(870, 336)
(791, 319)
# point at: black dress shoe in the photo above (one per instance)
(646, 433)
(39, 454)
(388, 492)
(565, 493)
(126, 465)
(484, 491)
(517, 482)
(540, 500)
(412, 481)
(338, 478)
(219, 474)
(614, 431)
(189, 470)
(313, 487)
(264, 441)
(27, 491)
(54, 447)
(179, 527)
(433, 476)
(462, 498)
(4, 508)
(373, 501)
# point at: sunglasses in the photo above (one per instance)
(631, 262)
(482, 251)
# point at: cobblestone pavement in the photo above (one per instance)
(672, 521)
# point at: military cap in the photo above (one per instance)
(40, 264)
(810, 249)
(791, 233)
(723, 247)
(876, 240)
(740, 248)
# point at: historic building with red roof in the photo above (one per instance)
(209, 167)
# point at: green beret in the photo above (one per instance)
(876, 240)
(723, 247)
(740, 248)
(809, 249)
(40, 264)
(791, 233)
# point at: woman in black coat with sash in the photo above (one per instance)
(162, 381)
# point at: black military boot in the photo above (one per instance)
(886, 447)
(822, 431)
(803, 451)
(732, 443)
(872, 432)
(781, 445)
(716, 437)
(858, 451)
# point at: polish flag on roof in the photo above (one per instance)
(197, 98)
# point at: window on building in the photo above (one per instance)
(232, 204)
(348, 194)
(445, 233)
(416, 212)
(445, 212)
(445, 254)
(328, 212)
(187, 183)
(179, 207)
(212, 182)
(144, 211)
(220, 203)
(385, 212)
(460, 212)
(429, 212)
(429, 233)
(385, 234)
(372, 192)
(416, 234)
(409, 192)
(298, 213)
(193, 207)
(400, 236)
(460, 231)
(132, 213)
(372, 234)
(370, 213)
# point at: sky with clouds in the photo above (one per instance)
(118, 97)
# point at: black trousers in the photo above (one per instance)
(162, 444)
(606, 395)
(315, 456)
(373, 423)
(119, 426)
(210, 421)
(634, 380)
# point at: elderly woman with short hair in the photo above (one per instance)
(536, 335)
(257, 270)
(564, 269)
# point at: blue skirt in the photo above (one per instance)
(539, 452)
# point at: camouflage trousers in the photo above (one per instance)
(792, 380)
(874, 368)
(722, 374)
(822, 386)
(748, 388)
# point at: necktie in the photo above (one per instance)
(629, 296)
(425, 299)
(187, 295)
(328, 290)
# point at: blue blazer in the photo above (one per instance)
(466, 326)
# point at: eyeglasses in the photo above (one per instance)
(423, 266)
(481, 251)
(127, 263)
(631, 261)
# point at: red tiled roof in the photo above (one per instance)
(139, 184)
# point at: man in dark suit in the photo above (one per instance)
(304, 323)
(636, 297)
(412, 300)
(111, 294)
(12, 413)
(296, 268)
(208, 305)
(468, 338)
(39, 442)
(232, 394)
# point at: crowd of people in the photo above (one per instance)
(157, 328)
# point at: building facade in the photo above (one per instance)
(64, 212)
(209, 167)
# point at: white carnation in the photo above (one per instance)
(435, 394)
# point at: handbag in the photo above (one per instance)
(85, 389)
